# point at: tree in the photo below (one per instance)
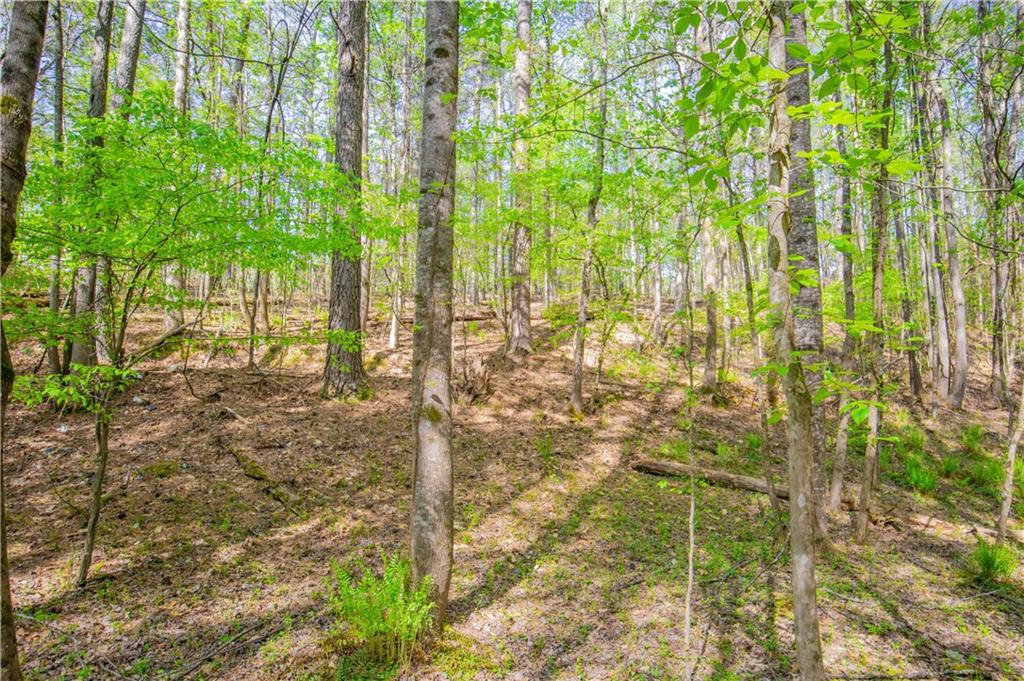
(520, 339)
(83, 350)
(173, 318)
(343, 370)
(594, 202)
(798, 399)
(433, 494)
(875, 372)
(803, 248)
(19, 70)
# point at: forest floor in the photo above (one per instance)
(568, 563)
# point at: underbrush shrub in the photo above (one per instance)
(949, 466)
(380, 616)
(986, 475)
(917, 475)
(972, 438)
(991, 563)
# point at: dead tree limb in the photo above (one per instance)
(720, 478)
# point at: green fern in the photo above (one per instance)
(382, 615)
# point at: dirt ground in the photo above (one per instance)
(568, 564)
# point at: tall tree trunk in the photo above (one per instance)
(849, 312)
(798, 399)
(520, 338)
(83, 350)
(343, 370)
(803, 243)
(579, 337)
(880, 228)
(53, 352)
(173, 317)
(366, 261)
(433, 488)
(941, 370)
(19, 69)
(909, 328)
(124, 86)
(994, 204)
(128, 54)
(958, 387)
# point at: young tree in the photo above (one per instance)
(19, 69)
(173, 317)
(432, 495)
(579, 335)
(83, 350)
(520, 338)
(343, 370)
(798, 399)
(879, 234)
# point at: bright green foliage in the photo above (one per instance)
(989, 563)
(84, 388)
(971, 438)
(380, 615)
(917, 475)
(986, 475)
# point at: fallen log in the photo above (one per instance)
(721, 478)
(462, 317)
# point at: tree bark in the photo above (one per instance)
(958, 388)
(128, 55)
(96, 498)
(53, 352)
(433, 488)
(799, 437)
(803, 242)
(520, 338)
(1006, 502)
(579, 336)
(880, 228)
(19, 69)
(83, 350)
(343, 370)
(173, 316)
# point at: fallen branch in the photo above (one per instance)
(720, 478)
(276, 489)
(912, 676)
(161, 339)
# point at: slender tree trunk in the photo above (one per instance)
(804, 244)
(102, 428)
(959, 384)
(1006, 502)
(520, 338)
(19, 69)
(710, 377)
(173, 317)
(880, 228)
(128, 55)
(909, 328)
(83, 350)
(53, 352)
(343, 370)
(579, 337)
(941, 369)
(798, 399)
(433, 489)
(995, 206)
(366, 261)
